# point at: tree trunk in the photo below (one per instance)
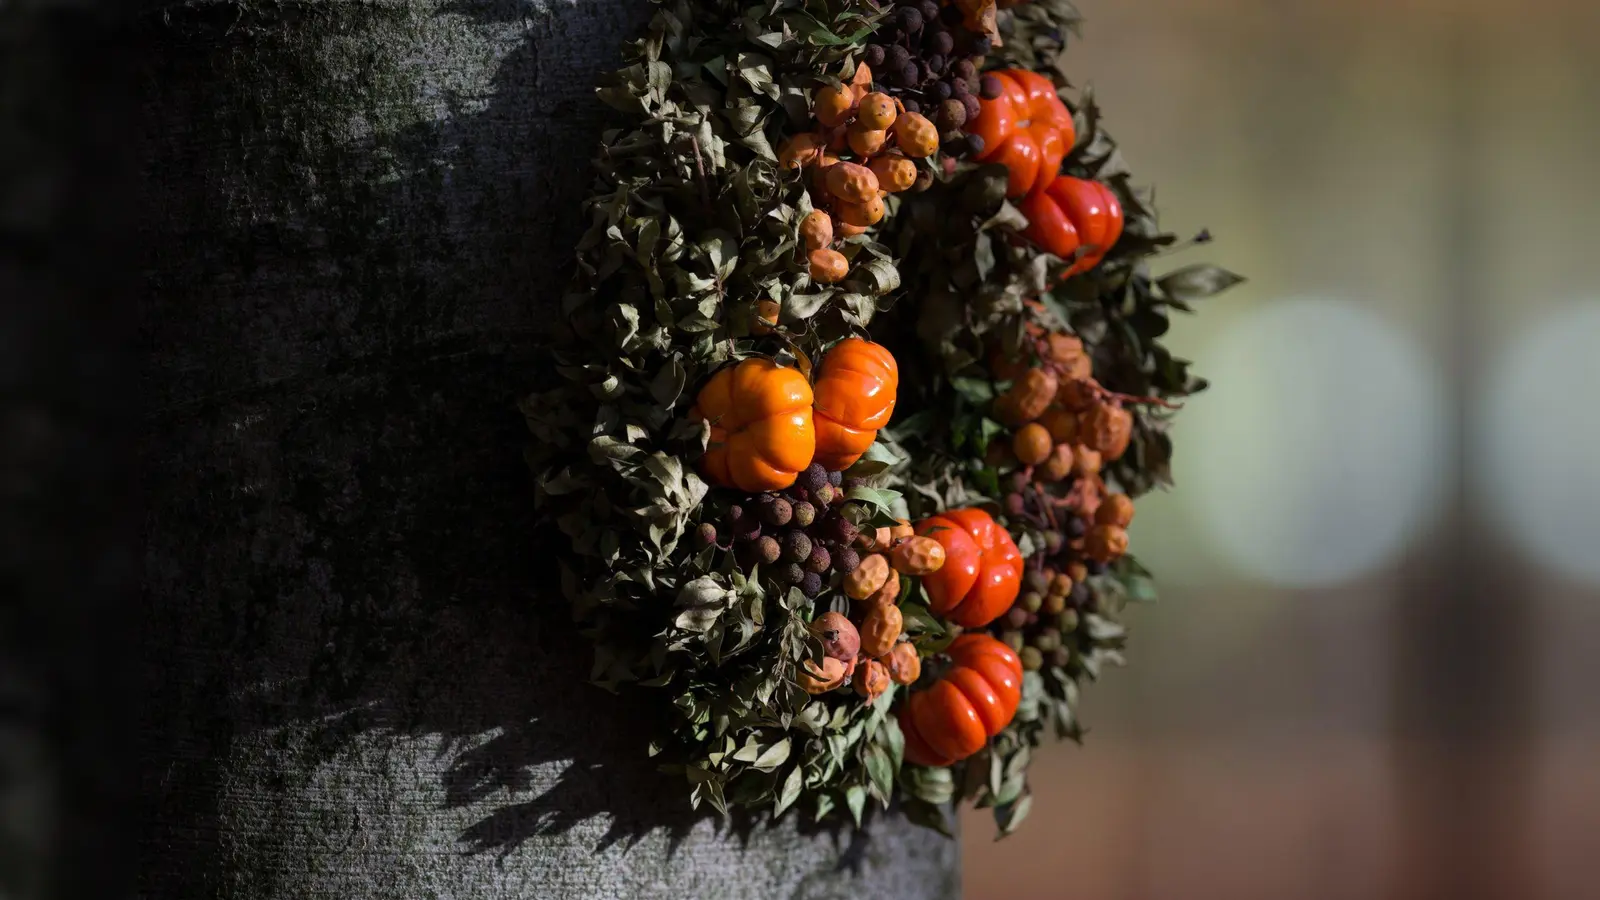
(361, 679)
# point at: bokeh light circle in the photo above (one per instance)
(1322, 448)
(1538, 437)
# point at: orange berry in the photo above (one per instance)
(905, 666)
(1063, 426)
(852, 183)
(766, 316)
(833, 106)
(866, 141)
(1059, 465)
(828, 266)
(895, 172)
(1085, 460)
(846, 230)
(876, 111)
(1116, 509)
(1031, 444)
(861, 214)
(816, 229)
(1105, 543)
(872, 679)
(1078, 395)
(916, 135)
(1106, 428)
(800, 151)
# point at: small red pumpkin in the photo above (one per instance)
(1073, 213)
(1027, 129)
(982, 569)
(855, 393)
(974, 701)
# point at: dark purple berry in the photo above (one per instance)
(1061, 657)
(989, 87)
(815, 476)
(959, 88)
(811, 584)
(1016, 504)
(974, 144)
(910, 74)
(940, 91)
(836, 478)
(777, 513)
(790, 573)
(912, 106)
(851, 482)
(804, 514)
(1076, 527)
(842, 531)
(796, 546)
(978, 45)
(930, 10)
(1079, 596)
(910, 18)
(767, 550)
(973, 107)
(706, 534)
(942, 43)
(1017, 617)
(1096, 567)
(874, 56)
(964, 70)
(846, 559)
(952, 115)
(819, 560)
(936, 63)
(895, 59)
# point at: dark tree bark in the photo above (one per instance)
(360, 676)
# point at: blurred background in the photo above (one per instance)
(1369, 674)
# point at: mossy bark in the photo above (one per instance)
(361, 680)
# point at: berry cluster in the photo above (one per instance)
(929, 56)
(798, 536)
(861, 151)
(1065, 427)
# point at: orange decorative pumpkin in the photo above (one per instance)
(982, 569)
(856, 386)
(974, 701)
(761, 430)
(1027, 129)
(1073, 213)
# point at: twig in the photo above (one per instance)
(700, 164)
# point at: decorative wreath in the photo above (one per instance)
(855, 384)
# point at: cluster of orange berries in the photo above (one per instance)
(1065, 428)
(866, 649)
(862, 151)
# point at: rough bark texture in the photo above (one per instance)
(361, 682)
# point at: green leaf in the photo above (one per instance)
(855, 797)
(1196, 282)
(775, 756)
(881, 771)
(789, 793)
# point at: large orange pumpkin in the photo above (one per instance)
(974, 701)
(982, 569)
(1027, 129)
(856, 387)
(1073, 213)
(761, 429)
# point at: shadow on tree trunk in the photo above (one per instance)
(351, 254)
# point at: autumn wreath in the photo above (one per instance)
(856, 380)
